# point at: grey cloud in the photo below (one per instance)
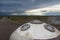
(18, 5)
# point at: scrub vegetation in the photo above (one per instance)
(24, 19)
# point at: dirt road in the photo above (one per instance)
(6, 28)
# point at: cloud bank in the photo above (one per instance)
(23, 5)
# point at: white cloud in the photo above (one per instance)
(41, 11)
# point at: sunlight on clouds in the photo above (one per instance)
(40, 11)
(14, 14)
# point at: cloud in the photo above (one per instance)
(18, 5)
(50, 10)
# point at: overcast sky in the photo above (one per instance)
(22, 5)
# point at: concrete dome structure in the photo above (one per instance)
(36, 30)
